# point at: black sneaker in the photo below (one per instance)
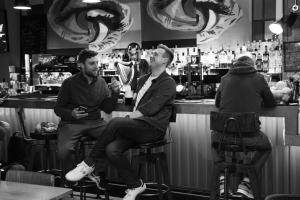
(244, 188)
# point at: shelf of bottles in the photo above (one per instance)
(267, 56)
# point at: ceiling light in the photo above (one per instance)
(91, 1)
(22, 5)
(277, 27)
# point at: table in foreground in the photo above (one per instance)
(22, 191)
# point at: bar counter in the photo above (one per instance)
(189, 155)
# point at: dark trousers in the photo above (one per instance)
(254, 141)
(120, 135)
(68, 136)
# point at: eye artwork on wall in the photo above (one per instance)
(209, 18)
(100, 25)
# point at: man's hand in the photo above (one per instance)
(77, 114)
(136, 114)
(115, 85)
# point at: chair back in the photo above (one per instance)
(234, 124)
(30, 177)
(248, 122)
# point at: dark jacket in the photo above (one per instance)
(156, 104)
(75, 91)
(243, 89)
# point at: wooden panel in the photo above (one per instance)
(269, 9)
(295, 170)
(258, 30)
(189, 156)
(257, 8)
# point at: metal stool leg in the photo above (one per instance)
(226, 183)
(255, 183)
(158, 178)
(214, 187)
(165, 173)
(106, 195)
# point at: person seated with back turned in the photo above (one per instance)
(80, 99)
(147, 123)
(243, 89)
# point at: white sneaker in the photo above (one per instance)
(131, 194)
(79, 172)
(245, 188)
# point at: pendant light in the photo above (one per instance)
(277, 27)
(22, 5)
(91, 1)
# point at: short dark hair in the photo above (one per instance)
(85, 54)
(168, 53)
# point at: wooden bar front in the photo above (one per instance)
(189, 155)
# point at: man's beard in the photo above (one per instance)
(90, 74)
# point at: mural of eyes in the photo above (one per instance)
(100, 25)
(209, 18)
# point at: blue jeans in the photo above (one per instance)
(120, 135)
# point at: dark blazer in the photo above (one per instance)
(243, 89)
(156, 104)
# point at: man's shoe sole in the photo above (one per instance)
(244, 192)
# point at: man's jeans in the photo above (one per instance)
(120, 135)
(68, 136)
(258, 141)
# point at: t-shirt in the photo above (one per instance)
(143, 90)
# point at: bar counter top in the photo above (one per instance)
(202, 107)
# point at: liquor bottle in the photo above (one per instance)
(259, 45)
(266, 56)
(217, 61)
(222, 58)
(243, 49)
(229, 57)
(188, 57)
(178, 62)
(259, 62)
(211, 58)
(237, 49)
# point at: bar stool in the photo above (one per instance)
(49, 140)
(33, 146)
(80, 154)
(159, 160)
(146, 157)
(233, 166)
